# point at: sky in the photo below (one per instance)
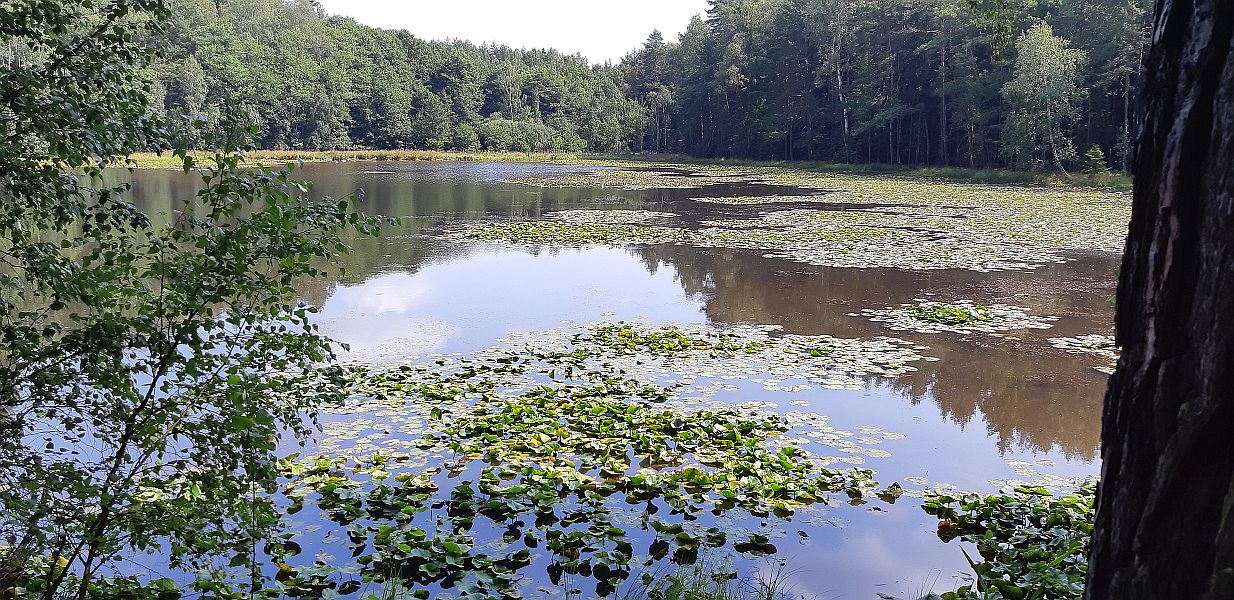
(598, 30)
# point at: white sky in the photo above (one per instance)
(599, 30)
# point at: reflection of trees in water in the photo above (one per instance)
(1037, 403)
(424, 207)
(1029, 395)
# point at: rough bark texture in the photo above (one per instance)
(1165, 517)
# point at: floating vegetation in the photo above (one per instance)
(566, 455)
(610, 217)
(756, 200)
(837, 244)
(1032, 543)
(643, 178)
(915, 224)
(1046, 217)
(668, 340)
(959, 317)
(1103, 346)
(920, 224)
(564, 233)
(677, 353)
(939, 313)
(871, 239)
(1034, 474)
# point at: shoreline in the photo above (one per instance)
(1108, 180)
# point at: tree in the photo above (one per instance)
(430, 121)
(1165, 511)
(139, 404)
(1042, 97)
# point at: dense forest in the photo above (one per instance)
(1047, 84)
(308, 80)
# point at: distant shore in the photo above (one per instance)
(1107, 180)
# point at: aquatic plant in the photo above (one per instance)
(570, 452)
(755, 200)
(1032, 543)
(707, 580)
(906, 223)
(1102, 346)
(960, 316)
(610, 216)
(948, 314)
(642, 177)
(626, 338)
(562, 233)
(551, 467)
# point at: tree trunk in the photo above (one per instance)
(1165, 516)
(1126, 156)
(943, 153)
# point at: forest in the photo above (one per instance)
(583, 364)
(1050, 84)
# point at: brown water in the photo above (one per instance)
(988, 400)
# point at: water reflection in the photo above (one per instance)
(466, 304)
(1027, 393)
(986, 401)
(411, 293)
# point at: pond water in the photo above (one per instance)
(988, 409)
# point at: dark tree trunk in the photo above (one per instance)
(1165, 516)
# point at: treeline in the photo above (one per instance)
(312, 81)
(1020, 83)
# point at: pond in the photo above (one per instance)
(971, 406)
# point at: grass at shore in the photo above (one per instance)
(149, 160)
(1107, 180)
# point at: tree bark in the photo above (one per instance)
(1165, 516)
(942, 103)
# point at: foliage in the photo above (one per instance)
(574, 234)
(1033, 544)
(960, 316)
(1042, 97)
(706, 580)
(135, 392)
(1094, 160)
(999, 228)
(574, 469)
(312, 81)
(624, 338)
(849, 81)
(884, 81)
(945, 314)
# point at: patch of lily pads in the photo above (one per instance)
(915, 224)
(761, 200)
(907, 238)
(566, 233)
(674, 354)
(643, 178)
(1032, 542)
(957, 317)
(826, 238)
(560, 453)
(1103, 346)
(610, 217)
(1045, 217)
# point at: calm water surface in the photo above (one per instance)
(987, 401)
